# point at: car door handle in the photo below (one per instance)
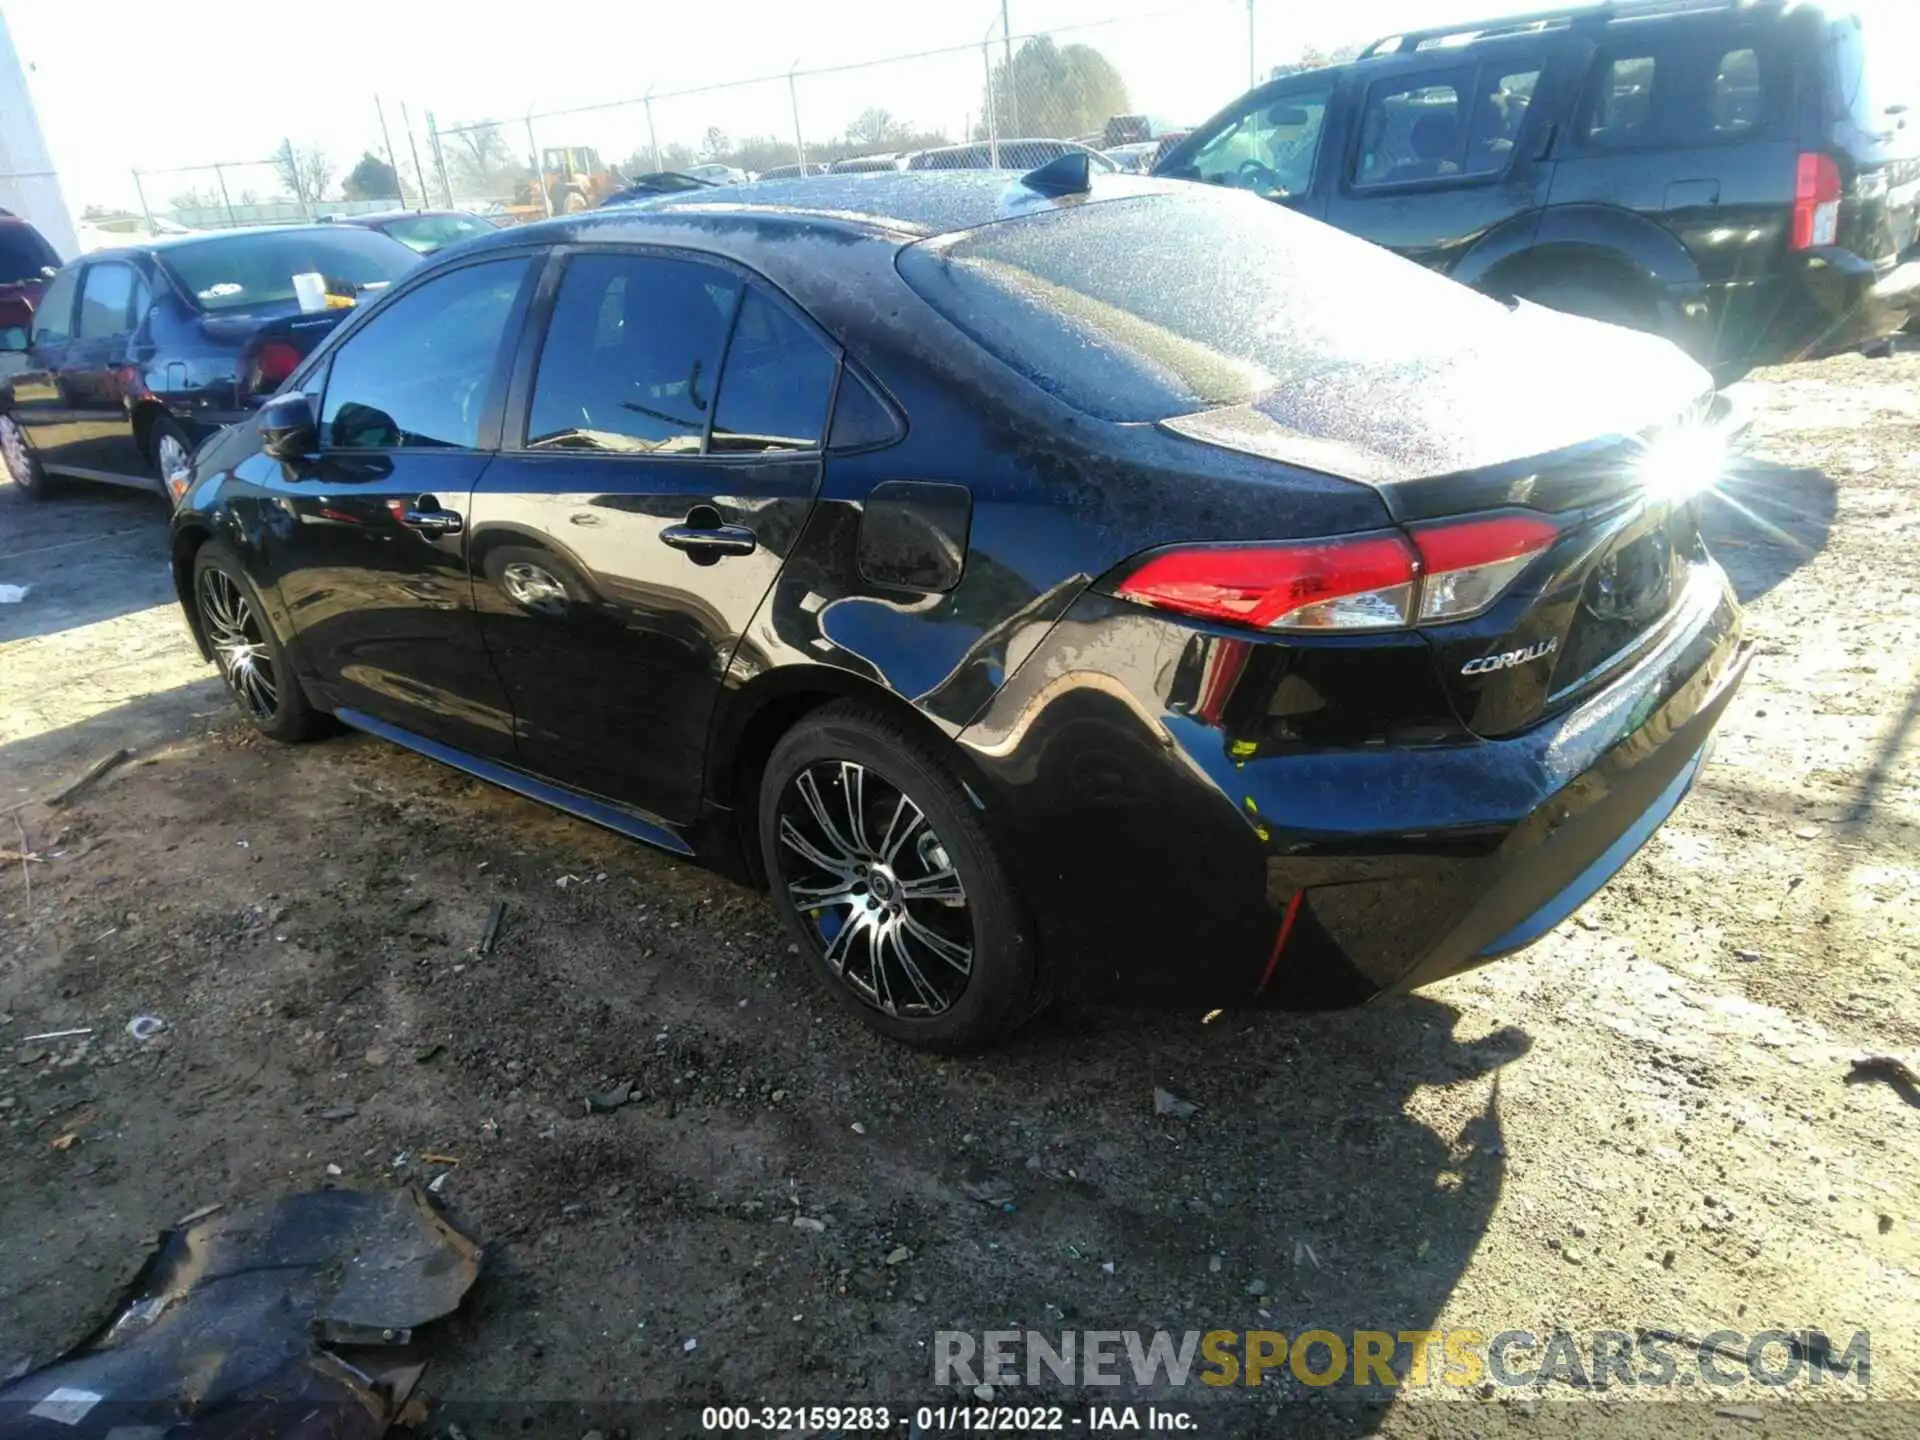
(425, 514)
(704, 542)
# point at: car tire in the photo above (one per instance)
(168, 444)
(951, 968)
(29, 476)
(251, 658)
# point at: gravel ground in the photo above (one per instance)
(1646, 1121)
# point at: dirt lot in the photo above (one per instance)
(1647, 1121)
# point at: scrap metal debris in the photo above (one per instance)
(233, 1325)
(87, 777)
(491, 935)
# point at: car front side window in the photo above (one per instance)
(53, 316)
(1269, 149)
(419, 372)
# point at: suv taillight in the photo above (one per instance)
(1376, 581)
(1816, 202)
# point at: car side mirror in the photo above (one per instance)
(288, 430)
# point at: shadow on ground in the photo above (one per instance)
(88, 553)
(1763, 522)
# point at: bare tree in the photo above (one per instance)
(478, 156)
(305, 173)
(876, 129)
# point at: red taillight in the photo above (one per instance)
(274, 362)
(1362, 582)
(1816, 201)
(1376, 581)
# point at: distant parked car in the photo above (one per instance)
(27, 263)
(715, 173)
(865, 165)
(793, 172)
(1009, 155)
(1134, 159)
(655, 182)
(423, 231)
(1743, 179)
(137, 354)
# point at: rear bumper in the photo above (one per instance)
(1164, 867)
(1831, 301)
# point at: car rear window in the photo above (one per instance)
(1163, 305)
(428, 233)
(24, 255)
(237, 272)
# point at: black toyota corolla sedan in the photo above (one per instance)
(1038, 583)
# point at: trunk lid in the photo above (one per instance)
(1545, 413)
(269, 343)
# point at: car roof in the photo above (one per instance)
(374, 216)
(907, 204)
(161, 244)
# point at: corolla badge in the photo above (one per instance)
(1507, 659)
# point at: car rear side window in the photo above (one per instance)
(1736, 106)
(53, 316)
(632, 356)
(1621, 111)
(105, 300)
(24, 256)
(1414, 129)
(418, 373)
(777, 383)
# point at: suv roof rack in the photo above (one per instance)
(1562, 16)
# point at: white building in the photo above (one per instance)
(29, 186)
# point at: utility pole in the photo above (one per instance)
(1251, 80)
(1013, 100)
(414, 145)
(653, 138)
(393, 158)
(793, 95)
(220, 175)
(439, 158)
(141, 191)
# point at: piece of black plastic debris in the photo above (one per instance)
(609, 1100)
(491, 935)
(337, 1112)
(1068, 174)
(1892, 1070)
(222, 1333)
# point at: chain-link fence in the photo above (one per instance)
(1122, 84)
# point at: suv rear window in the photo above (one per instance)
(1163, 305)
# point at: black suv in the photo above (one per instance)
(1735, 176)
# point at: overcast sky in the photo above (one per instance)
(121, 84)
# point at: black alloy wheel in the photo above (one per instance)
(251, 659)
(879, 863)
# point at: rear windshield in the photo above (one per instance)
(1162, 305)
(24, 255)
(239, 271)
(428, 233)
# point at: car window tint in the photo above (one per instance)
(418, 373)
(24, 256)
(1621, 111)
(1413, 130)
(632, 355)
(777, 382)
(1499, 112)
(1269, 149)
(1735, 107)
(104, 300)
(53, 316)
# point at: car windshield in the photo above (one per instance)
(24, 255)
(428, 233)
(240, 271)
(1160, 305)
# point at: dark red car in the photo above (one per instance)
(27, 263)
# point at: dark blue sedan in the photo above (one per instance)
(137, 354)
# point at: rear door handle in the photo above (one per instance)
(425, 514)
(709, 543)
